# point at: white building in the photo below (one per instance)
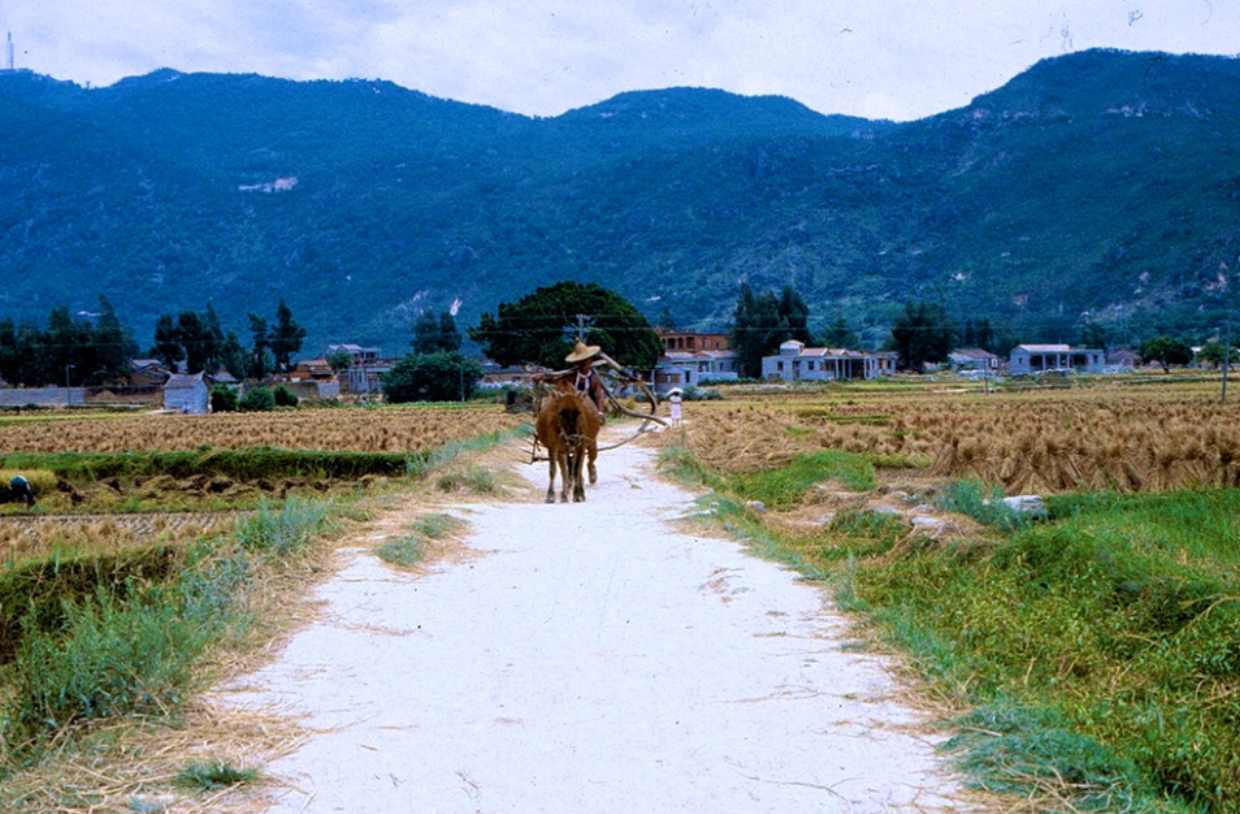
(796, 362)
(187, 394)
(690, 368)
(1027, 359)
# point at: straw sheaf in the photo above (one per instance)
(746, 439)
(1054, 443)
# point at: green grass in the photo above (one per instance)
(409, 550)
(128, 639)
(214, 774)
(473, 478)
(986, 506)
(1121, 615)
(404, 551)
(286, 530)
(786, 486)
(450, 451)
(1099, 649)
(244, 464)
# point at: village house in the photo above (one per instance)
(146, 373)
(313, 379)
(1029, 359)
(496, 375)
(692, 358)
(796, 362)
(1124, 357)
(187, 394)
(690, 341)
(365, 367)
(973, 359)
(685, 369)
(312, 370)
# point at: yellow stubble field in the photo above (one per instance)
(1128, 439)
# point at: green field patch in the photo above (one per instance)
(787, 486)
(820, 413)
(33, 596)
(243, 464)
(1119, 616)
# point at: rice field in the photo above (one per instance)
(389, 429)
(32, 537)
(92, 505)
(1150, 439)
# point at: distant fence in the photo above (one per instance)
(120, 394)
(42, 396)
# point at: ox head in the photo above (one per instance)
(571, 430)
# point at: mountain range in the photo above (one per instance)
(1097, 186)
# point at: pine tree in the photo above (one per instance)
(923, 333)
(167, 341)
(449, 336)
(285, 338)
(258, 350)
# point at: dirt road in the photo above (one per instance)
(592, 659)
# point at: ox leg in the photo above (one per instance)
(566, 475)
(579, 485)
(551, 483)
(593, 456)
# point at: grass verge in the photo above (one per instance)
(1098, 651)
(134, 650)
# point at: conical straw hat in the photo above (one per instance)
(582, 351)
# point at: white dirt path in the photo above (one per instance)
(594, 659)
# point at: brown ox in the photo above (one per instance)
(567, 427)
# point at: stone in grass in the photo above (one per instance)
(1032, 505)
(936, 528)
(757, 506)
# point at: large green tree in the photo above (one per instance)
(923, 334)
(839, 334)
(259, 353)
(1218, 354)
(540, 327)
(441, 376)
(1167, 351)
(112, 346)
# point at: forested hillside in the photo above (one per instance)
(1101, 183)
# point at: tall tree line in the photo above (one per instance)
(94, 348)
(91, 349)
(197, 340)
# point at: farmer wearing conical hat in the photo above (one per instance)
(585, 380)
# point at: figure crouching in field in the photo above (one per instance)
(20, 491)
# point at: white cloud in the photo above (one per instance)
(890, 58)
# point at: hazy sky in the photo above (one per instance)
(898, 59)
